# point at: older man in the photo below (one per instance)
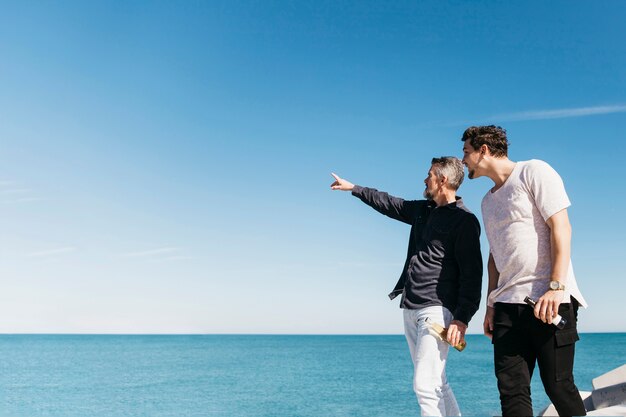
(441, 278)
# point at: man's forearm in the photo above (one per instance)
(386, 204)
(560, 242)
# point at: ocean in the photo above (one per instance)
(251, 375)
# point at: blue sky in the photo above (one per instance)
(165, 166)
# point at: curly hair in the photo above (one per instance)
(492, 136)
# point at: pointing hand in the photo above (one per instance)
(341, 184)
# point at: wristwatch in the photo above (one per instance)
(556, 286)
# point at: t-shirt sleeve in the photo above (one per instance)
(547, 188)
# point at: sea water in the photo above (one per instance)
(229, 375)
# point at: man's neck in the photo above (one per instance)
(500, 171)
(444, 199)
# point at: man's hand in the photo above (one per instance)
(456, 332)
(488, 323)
(341, 184)
(547, 306)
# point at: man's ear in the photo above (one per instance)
(484, 150)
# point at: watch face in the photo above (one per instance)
(554, 285)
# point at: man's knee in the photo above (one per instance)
(556, 388)
(566, 398)
(562, 390)
(509, 387)
(428, 387)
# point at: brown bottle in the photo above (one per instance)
(442, 333)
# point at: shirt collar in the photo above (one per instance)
(458, 203)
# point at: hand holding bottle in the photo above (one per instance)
(456, 332)
(547, 306)
(442, 333)
(557, 320)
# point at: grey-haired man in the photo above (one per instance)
(441, 277)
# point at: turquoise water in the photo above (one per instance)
(56, 375)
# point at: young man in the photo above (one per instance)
(441, 278)
(526, 222)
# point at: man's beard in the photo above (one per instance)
(471, 173)
(428, 195)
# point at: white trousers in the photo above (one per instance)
(429, 355)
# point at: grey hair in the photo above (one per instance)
(451, 168)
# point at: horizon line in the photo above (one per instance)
(246, 334)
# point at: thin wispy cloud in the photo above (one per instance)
(177, 258)
(11, 192)
(51, 252)
(529, 115)
(151, 252)
(22, 200)
(159, 254)
(7, 190)
(558, 113)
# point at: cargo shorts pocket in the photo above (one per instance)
(564, 353)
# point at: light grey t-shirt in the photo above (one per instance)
(515, 224)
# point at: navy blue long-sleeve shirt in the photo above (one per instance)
(444, 263)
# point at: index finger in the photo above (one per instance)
(452, 331)
(335, 176)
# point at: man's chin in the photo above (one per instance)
(471, 174)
